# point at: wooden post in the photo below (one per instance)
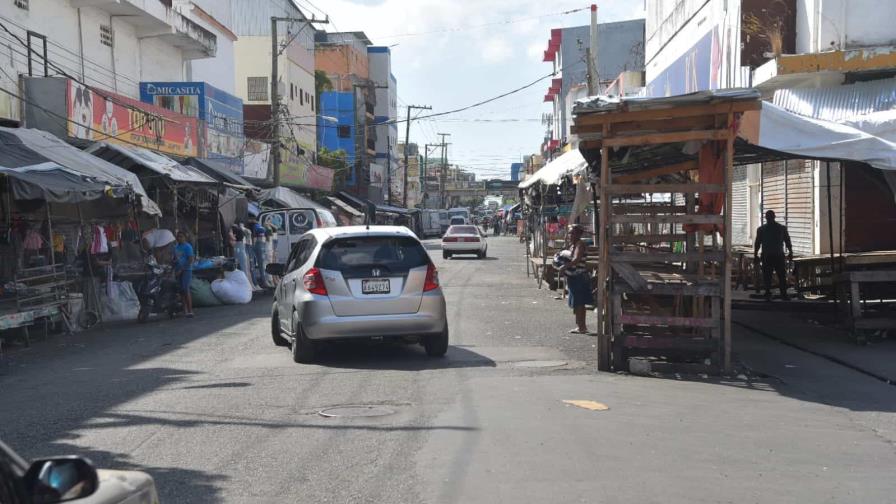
(726, 301)
(50, 232)
(603, 329)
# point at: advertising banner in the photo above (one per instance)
(221, 111)
(377, 174)
(698, 69)
(109, 117)
(319, 177)
(256, 161)
(292, 167)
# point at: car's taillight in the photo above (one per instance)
(319, 222)
(432, 278)
(314, 282)
(449, 239)
(472, 240)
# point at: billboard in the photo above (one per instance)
(319, 177)
(698, 69)
(221, 111)
(109, 117)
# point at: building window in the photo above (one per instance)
(343, 131)
(22, 4)
(312, 104)
(301, 101)
(258, 88)
(292, 92)
(106, 35)
(307, 97)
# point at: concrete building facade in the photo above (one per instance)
(112, 45)
(385, 111)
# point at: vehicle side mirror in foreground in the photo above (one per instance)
(60, 479)
(275, 269)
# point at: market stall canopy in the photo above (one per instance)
(220, 171)
(345, 206)
(72, 158)
(570, 163)
(391, 209)
(45, 167)
(783, 131)
(287, 198)
(127, 156)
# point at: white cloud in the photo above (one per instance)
(496, 50)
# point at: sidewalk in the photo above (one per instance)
(814, 332)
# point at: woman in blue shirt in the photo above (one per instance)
(183, 252)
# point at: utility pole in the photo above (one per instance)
(275, 95)
(407, 137)
(444, 172)
(423, 171)
(591, 54)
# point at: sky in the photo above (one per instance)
(447, 59)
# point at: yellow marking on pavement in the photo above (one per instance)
(588, 405)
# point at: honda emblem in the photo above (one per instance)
(375, 272)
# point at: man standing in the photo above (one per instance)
(183, 252)
(772, 237)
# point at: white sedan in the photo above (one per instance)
(464, 239)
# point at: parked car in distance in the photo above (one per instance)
(69, 479)
(355, 282)
(464, 240)
(292, 223)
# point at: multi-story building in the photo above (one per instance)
(515, 169)
(342, 57)
(251, 22)
(825, 59)
(415, 193)
(385, 112)
(110, 45)
(620, 53)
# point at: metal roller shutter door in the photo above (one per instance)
(800, 206)
(773, 189)
(740, 211)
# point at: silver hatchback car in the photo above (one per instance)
(358, 282)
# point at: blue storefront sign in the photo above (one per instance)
(221, 111)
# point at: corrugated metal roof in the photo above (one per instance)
(839, 103)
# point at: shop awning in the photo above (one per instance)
(220, 171)
(775, 128)
(127, 156)
(570, 163)
(45, 167)
(287, 198)
(77, 160)
(391, 209)
(345, 206)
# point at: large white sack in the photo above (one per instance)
(234, 288)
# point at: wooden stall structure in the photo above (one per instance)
(664, 233)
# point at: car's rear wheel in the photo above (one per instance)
(303, 349)
(436, 345)
(276, 334)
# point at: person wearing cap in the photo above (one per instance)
(578, 281)
(771, 237)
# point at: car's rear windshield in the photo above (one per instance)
(394, 253)
(462, 230)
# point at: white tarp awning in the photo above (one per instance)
(570, 163)
(288, 198)
(154, 161)
(784, 131)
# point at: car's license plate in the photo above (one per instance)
(380, 286)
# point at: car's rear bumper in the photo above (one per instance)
(320, 322)
(470, 247)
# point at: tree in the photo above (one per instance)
(322, 84)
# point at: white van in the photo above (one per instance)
(292, 223)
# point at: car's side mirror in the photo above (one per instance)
(275, 269)
(60, 479)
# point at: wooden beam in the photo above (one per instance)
(668, 219)
(726, 301)
(666, 113)
(603, 329)
(630, 275)
(647, 239)
(656, 320)
(650, 173)
(648, 257)
(665, 138)
(682, 343)
(664, 188)
(675, 289)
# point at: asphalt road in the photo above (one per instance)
(216, 413)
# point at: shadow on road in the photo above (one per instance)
(396, 356)
(473, 258)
